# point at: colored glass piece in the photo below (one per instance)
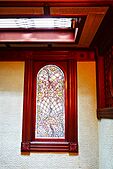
(50, 103)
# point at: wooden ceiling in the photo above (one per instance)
(98, 26)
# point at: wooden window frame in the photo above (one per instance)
(70, 143)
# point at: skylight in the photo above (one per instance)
(26, 23)
(35, 29)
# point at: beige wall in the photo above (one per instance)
(11, 103)
(106, 144)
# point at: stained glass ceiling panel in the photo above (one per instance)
(16, 23)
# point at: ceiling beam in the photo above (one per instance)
(36, 3)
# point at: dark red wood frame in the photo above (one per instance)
(70, 143)
(104, 85)
(30, 55)
(47, 3)
(36, 67)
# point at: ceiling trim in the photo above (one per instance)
(94, 17)
(34, 3)
(14, 11)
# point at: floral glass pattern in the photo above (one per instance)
(50, 103)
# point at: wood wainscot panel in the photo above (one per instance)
(106, 113)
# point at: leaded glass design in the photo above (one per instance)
(36, 22)
(50, 103)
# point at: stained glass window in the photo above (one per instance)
(50, 103)
(36, 22)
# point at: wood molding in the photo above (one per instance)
(73, 147)
(45, 54)
(26, 132)
(106, 113)
(88, 28)
(108, 63)
(100, 81)
(25, 146)
(29, 141)
(53, 147)
(34, 3)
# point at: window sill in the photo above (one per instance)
(49, 147)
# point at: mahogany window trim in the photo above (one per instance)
(37, 66)
(70, 144)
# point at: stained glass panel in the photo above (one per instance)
(36, 22)
(50, 103)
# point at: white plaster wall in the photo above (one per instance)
(11, 105)
(88, 124)
(106, 144)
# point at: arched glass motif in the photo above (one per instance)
(50, 103)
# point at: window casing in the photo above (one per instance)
(68, 143)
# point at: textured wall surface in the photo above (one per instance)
(11, 105)
(106, 144)
(88, 124)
